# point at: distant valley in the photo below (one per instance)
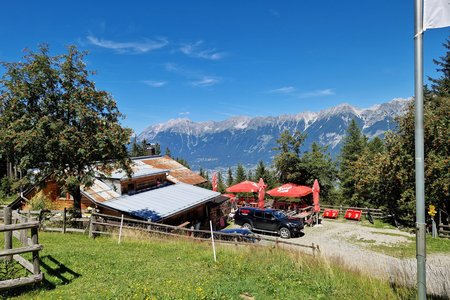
(246, 140)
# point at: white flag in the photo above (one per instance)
(436, 14)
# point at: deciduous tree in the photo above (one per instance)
(53, 118)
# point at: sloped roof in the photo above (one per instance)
(100, 191)
(177, 172)
(161, 203)
(139, 169)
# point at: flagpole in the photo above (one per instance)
(419, 151)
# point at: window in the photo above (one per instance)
(268, 216)
(258, 214)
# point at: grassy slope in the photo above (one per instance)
(174, 269)
(407, 250)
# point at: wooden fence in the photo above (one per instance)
(102, 224)
(56, 220)
(376, 213)
(444, 231)
(32, 245)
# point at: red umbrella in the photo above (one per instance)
(231, 196)
(316, 191)
(261, 192)
(244, 187)
(214, 182)
(290, 190)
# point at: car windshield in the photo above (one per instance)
(279, 215)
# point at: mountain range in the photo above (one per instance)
(246, 140)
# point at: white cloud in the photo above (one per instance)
(283, 90)
(154, 83)
(129, 47)
(317, 93)
(206, 81)
(184, 113)
(195, 78)
(195, 50)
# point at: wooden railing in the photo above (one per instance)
(29, 245)
(376, 213)
(444, 231)
(102, 224)
(56, 220)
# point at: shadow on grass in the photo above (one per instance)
(55, 274)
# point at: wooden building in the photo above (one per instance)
(167, 195)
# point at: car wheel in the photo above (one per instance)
(284, 232)
(247, 226)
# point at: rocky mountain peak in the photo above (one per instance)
(243, 139)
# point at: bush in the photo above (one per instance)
(41, 201)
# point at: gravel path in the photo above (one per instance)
(346, 242)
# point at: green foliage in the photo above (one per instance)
(10, 270)
(157, 149)
(383, 174)
(353, 145)
(441, 85)
(318, 164)
(168, 153)
(79, 268)
(220, 183)
(287, 161)
(229, 177)
(240, 174)
(54, 119)
(304, 168)
(41, 201)
(8, 190)
(263, 172)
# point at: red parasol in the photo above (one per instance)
(290, 190)
(316, 191)
(244, 187)
(261, 193)
(214, 182)
(231, 196)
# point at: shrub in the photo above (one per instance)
(41, 201)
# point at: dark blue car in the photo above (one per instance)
(239, 235)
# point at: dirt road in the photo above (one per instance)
(348, 242)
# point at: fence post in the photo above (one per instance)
(314, 249)
(64, 220)
(120, 229)
(8, 234)
(91, 225)
(340, 210)
(34, 240)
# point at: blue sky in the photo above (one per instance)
(210, 60)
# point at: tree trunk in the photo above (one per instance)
(76, 194)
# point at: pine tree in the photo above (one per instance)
(287, 162)
(220, 184)
(230, 177)
(240, 174)
(353, 145)
(157, 149)
(318, 164)
(264, 173)
(168, 152)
